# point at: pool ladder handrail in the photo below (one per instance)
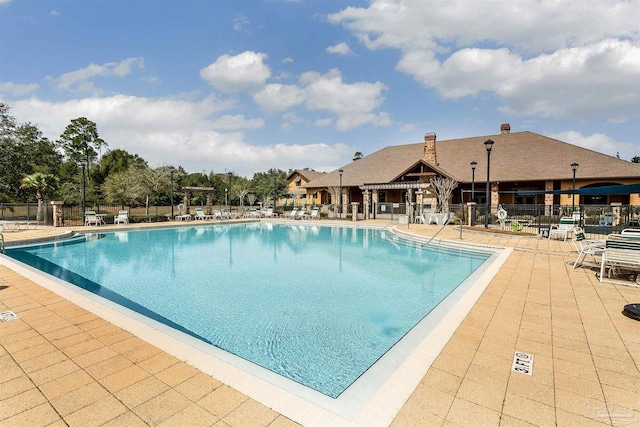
(1, 243)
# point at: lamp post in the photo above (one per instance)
(229, 174)
(274, 190)
(473, 180)
(226, 196)
(574, 168)
(83, 162)
(488, 144)
(340, 171)
(171, 172)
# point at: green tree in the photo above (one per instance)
(635, 159)
(80, 140)
(114, 161)
(124, 188)
(270, 184)
(41, 183)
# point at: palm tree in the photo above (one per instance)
(42, 183)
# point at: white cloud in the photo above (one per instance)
(152, 79)
(598, 142)
(340, 49)
(287, 60)
(554, 59)
(54, 13)
(353, 103)
(275, 98)
(238, 121)
(323, 123)
(17, 89)
(80, 80)
(245, 72)
(177, 132)
(240, 22)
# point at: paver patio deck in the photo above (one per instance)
(63, 365)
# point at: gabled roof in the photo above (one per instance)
(518, 156)
(308, 175)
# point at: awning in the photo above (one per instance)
(609, 190)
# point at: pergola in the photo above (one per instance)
(187, 196)
(370, 191)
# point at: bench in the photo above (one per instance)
(621, 252)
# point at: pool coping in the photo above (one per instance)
(379, 409)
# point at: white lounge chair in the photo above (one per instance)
(200, 215)
(566, 226)
(221, 215)
(91, 218)
(621, 253)
(586, 247)
(313, 214)
(292, 214)
(269, 213)
(301, 213)
(121, 218)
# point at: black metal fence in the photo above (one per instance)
(596, 220)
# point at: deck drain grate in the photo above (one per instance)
(5, 316)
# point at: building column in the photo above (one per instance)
(548, 198)
(209, 203)
(366, 195)
(186, 201)
(419, 202)
(374, 201)
(58, 219)
(495, 197)
(354, 211)
(408, 201)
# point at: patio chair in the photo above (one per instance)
(301, 213)
(269, 213)
(292, 214)
(314, 214)
(121, 218)
(221, 215)
(91, 218)
(9, 226)
(200, 215)
(566, 226)
(631, 232)
(606, 221)
(586, 247)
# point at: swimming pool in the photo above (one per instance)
(318, 305)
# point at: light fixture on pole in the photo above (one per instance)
(83, 163)
(274, 190)
(473, 180)
(341, 171)
(574, 168)
(229, 174)
(171, 172)
(488, 144)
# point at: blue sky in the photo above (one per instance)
(246, 86)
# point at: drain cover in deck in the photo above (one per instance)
(5, 316)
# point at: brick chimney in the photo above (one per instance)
(429, 155)
(505, 128)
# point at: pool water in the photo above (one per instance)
(318, 305)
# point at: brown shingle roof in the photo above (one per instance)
(519, 156)
(308, 175)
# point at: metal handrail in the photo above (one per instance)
(1, 243)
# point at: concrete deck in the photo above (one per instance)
(63, 365)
